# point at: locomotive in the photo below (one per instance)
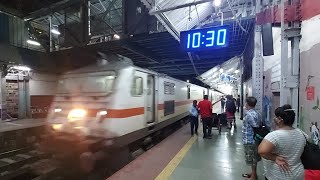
(114, 103)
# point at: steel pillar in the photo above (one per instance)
(3, 95)
(241, 88)
(84, 19)
(284, 57)
(257, 64)
(296, 74)
(50, 33)
(290, 68)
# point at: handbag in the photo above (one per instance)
(260, 132)
(310, 157)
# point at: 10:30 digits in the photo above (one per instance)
(208, 39)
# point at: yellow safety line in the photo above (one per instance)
(168, 170)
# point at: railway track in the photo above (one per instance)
(28, 163)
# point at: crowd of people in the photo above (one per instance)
(280, 149)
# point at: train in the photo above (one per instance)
(117, 103)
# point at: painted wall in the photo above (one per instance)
(32, 97)
(309, 73)
(42, 84)
(42, 87)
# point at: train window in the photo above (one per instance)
(169, 88)
(188, 91)
(137, 86)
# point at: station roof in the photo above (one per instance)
(158, 51)
(161, 52)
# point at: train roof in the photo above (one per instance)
(112, 62)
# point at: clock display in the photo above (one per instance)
(204, 39)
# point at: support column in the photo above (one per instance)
(290, 68)
(257, 64)
(84, 22)
(296, 74)
(50, 33)
(241, 88)
(284, 57)
(22, 97)
(3, 99)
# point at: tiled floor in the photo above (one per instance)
(219, 158)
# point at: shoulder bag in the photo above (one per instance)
(310, 157)
(260, 132)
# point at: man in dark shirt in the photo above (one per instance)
(205, 108)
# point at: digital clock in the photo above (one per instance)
(205, 39)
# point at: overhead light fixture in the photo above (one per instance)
(236, 71)
(54, 31)
(217, 3)
(33, 42)
(221, 70)
(116, 36)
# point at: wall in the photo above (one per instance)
(42, 88)
(309, 73)
(30, 97)
(42, 84)
(272, 77)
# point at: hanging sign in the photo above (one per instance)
(310, 93)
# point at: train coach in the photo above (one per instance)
(118, 102)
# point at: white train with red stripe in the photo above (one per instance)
(118, 101)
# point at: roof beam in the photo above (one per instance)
(135, 48)
(154, 11)
(186, 64)
(10, 11)
(51, 8)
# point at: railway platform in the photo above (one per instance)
(20, 124)
(181, 156)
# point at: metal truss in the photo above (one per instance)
(12, 71)
(104, 20)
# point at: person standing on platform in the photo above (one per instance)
(205, 108)
(282, 148)
(230, 110)
(238, 103)
(194, 118)
(223, 103)
(251, 120)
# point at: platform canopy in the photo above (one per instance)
(178, 16)
(224, 77)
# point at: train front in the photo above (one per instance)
(76, 122)
(81, 103)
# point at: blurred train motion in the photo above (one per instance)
(113, 103)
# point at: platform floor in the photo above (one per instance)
(21, 124)
(182, 157)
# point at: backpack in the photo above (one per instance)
(231, 106)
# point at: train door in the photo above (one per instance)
(150, 99)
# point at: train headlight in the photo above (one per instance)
(57, 110)
(56, 126)
(103, 113)
(76, 114)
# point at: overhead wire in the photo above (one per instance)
(237, 20)
(190, 54)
